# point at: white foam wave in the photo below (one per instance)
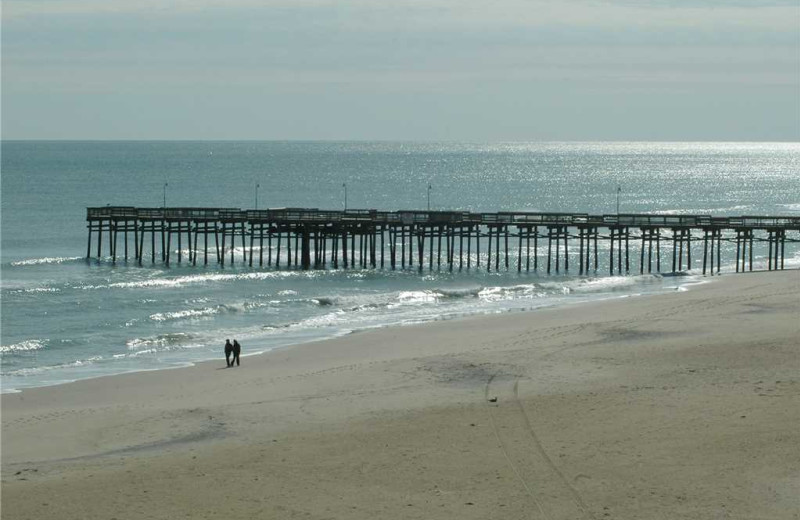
(46, 260)
(521, 292)
(181, 281)
(34, 290)
(325, 320)
(47, 368)
(415, 298)
(460, 292)
(608, 283)
(162, 340)
(321, 301)
(143, 352)
(223, 308)
(24, 346)
(184, 314)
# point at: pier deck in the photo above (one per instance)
(312, 238)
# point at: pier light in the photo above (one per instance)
(165, 194)
(619, 190)
(344, 185)
(257, 186)
(429, 196)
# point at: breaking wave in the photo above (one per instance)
(162, 341)
(46, 260)
(29, 371)
(24, 346)
(181, 281)
(185, 314)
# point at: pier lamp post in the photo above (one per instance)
(165, 194)
(429, 196)
(619, 190)
(344, 185)
(257, 186)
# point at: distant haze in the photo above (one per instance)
(410, 70)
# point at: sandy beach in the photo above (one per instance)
(676, 406)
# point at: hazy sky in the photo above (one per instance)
(416, 70)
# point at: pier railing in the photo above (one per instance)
(439, 217)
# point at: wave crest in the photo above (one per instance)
(184, 314)
(169, 340)
(181, 281)
(46, 260)
(24, 346)
(460, 292)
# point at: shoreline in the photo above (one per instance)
(694, 280)
(677, 404)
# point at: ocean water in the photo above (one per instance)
(64, 318)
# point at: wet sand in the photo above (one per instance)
(685, 405)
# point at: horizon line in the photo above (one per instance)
(454, 141)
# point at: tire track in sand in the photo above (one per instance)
(549, 490)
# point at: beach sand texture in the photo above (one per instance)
(677, 406)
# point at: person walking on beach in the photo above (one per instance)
(237, 349)
(228, 352)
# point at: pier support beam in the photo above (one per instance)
(714, 236)
(305, 256)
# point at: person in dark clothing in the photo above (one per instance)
(237, 349)
(228, 352)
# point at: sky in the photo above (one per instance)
(422, 70)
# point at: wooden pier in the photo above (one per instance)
(318, 239)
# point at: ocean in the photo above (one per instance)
(63, 318)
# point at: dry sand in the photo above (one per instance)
(685, 405)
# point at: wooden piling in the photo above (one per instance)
(497, 250)
(505, 230)
(113, 247)
(420, 246)
(611, 249)
(169, 242)
(528, 249)
(489, 252)
(469, 247)
(478, 246)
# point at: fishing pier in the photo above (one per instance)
(318, 239)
